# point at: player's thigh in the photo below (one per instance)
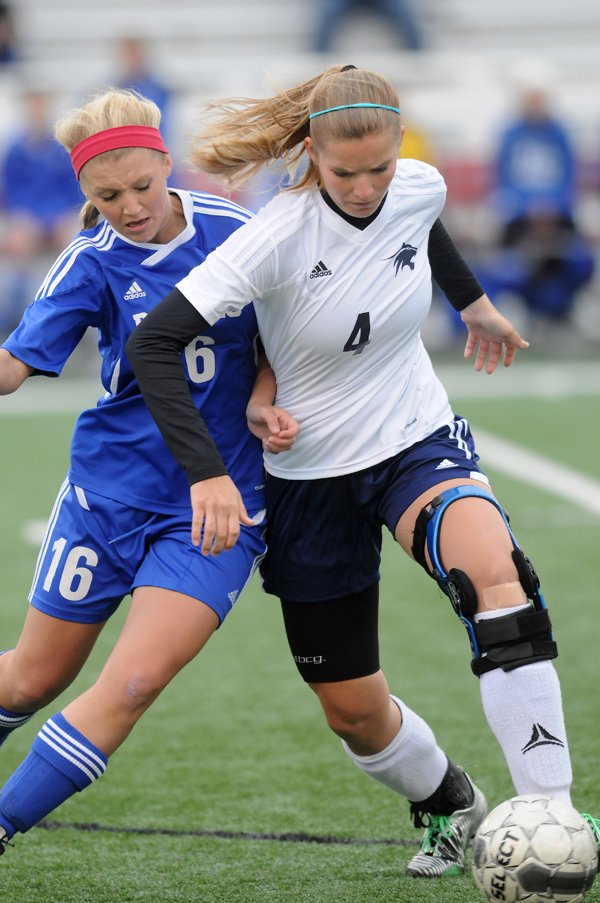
(354, 700)
(163, 631)
(473, 535)
(179, 598)
(410, 480)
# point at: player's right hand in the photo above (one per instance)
(217, 512)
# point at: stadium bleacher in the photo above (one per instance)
(460, 84)
(457, 90)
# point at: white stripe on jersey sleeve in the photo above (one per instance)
(212, 205)
(102, 242)
(216, 200)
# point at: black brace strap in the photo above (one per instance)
(420, 538)
(514, 640)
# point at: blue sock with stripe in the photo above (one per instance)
(61, 762)
(9, 721)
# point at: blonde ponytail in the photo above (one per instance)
(245, 134)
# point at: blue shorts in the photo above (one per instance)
(96, 551)
(324, 536)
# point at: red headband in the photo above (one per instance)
(112, 139)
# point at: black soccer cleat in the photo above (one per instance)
(4, 840)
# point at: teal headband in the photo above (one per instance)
(350, 106)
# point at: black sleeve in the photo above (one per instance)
(154, 351)
(450, 270)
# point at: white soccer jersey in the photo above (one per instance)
(340, 312)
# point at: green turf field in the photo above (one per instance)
(231, 789)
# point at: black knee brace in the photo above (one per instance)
(505, 642)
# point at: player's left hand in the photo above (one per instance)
(276, 428)
(491, 335)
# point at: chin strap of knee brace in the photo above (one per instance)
(504, 642)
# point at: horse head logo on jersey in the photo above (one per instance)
(404, 257)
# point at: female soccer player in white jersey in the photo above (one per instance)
(339, 273)
(122, 520)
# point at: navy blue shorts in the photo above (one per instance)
(324, 536)
(96, 551)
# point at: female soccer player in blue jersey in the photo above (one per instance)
(122, 519)
(338, 269)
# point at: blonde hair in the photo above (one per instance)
(109, 110)
(247, 133)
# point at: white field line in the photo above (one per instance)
(523, 380)
(558, 380)
(534, 469)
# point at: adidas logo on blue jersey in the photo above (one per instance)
(134, 291)
(320, 270)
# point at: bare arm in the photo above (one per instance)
(13, 372)
(276, 428)
(491, 334)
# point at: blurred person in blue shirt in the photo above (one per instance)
(40, 200)
(136, 75)
(400, 15)
(536, 166)
(542, 259)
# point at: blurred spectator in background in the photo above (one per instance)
(542, 258)
(536, 168)
(417, 143)
(135, 74)
(8, 43)
(399, 13)
(40, 200)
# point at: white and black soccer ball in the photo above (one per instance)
(534, 848)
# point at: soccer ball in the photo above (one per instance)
(534, 848)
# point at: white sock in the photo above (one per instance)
(524, 710)
(413, 764)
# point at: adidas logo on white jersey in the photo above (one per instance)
(134, 291)
(320, 270)
(445, 464)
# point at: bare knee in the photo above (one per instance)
(136, 692)
(359, 711)
(47, 658)
(28, 692)
(349, 723)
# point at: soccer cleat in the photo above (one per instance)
(4, 840)
(594, 826)
(446, 838)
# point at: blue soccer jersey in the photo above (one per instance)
(105, 281)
